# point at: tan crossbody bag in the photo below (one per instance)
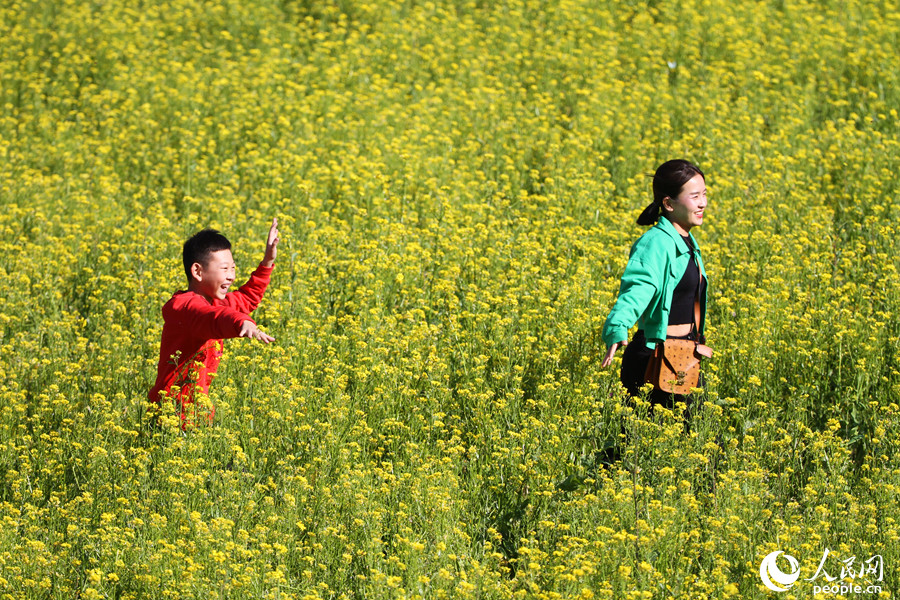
(674, 366)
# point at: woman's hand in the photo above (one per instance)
(607, 360)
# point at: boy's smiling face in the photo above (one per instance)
(213, 280)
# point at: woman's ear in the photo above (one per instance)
(667, 204)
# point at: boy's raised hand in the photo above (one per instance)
(271, 245)
(250, 330)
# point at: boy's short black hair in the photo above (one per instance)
(199, 246)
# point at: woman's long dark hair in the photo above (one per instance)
(668, 180)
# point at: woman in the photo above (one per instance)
(663, 277)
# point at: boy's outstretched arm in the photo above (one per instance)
(248, 296)
(271, 245)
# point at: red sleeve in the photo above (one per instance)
(248, 296)
(205, 320)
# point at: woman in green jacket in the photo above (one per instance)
(663, 277)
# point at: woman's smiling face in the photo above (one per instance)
(686, 210)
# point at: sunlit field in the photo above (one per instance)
(456, 186)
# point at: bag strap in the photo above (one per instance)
(702, 349)
(695, 326)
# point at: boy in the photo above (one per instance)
(197, 320)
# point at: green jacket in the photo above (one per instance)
(656, 264)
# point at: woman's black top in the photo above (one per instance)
(682, 309)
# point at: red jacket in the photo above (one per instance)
(192, 335)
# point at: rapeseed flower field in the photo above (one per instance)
(456, 184)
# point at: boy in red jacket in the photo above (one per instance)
(197, 320)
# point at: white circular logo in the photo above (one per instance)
(773, 577)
